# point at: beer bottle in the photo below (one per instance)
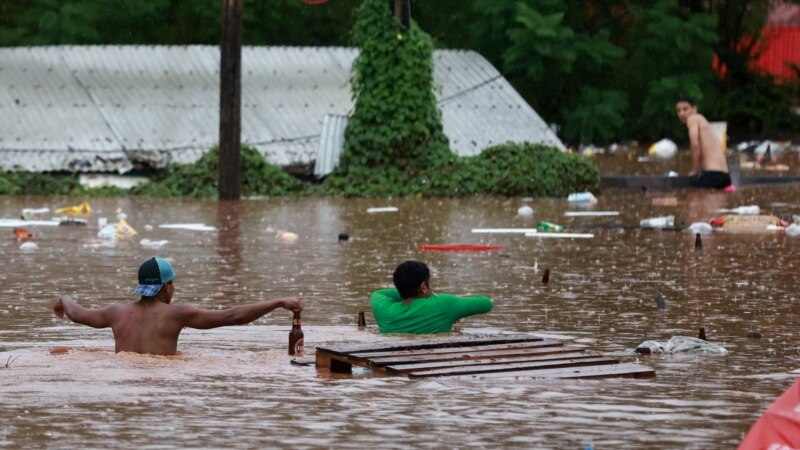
(362, 321)
(296, 338)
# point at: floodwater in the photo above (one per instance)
(234, 387)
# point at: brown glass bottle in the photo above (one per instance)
(362, 321)
(296, 341)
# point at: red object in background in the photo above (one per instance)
(313, 2)
(779, 426)
(458, 248)
(779, 48)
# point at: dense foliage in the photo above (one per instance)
(28, 183)
(200, 179)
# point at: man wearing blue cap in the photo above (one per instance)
(152, 324)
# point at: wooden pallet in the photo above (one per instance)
(511, 355)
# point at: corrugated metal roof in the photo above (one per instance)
(331, 144)
(97, 108)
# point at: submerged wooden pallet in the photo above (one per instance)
(508, 355)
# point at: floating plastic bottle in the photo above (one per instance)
(582, 197)
(548, 226)
(525, 211)
(658, 222)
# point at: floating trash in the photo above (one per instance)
(84, 209)
(664, 201)
(29, 246)
(793, 230)
(286, 236)
(383, 209)
(591, 213)
(188, 226)
(504, 230)
(742, 210)
(15, 223)
(22, 234)
(548, 226)
(560, 235)
(700, 227)
(658, 222)
(147, 243)
(458, 248)
(525, 211)
(582, 197)
(664, 149)
(29, 213)
(682, 344)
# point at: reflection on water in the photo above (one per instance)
(234, 387)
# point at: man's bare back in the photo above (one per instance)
(152, 325)
(709, 164)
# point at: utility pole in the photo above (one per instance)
(402, 10)
(230, 94)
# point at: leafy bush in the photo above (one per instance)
(530, 169)
(200, 179)
(29, 183)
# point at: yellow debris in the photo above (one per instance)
(80, 210)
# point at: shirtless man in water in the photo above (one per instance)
(152, 324)
(709, 166)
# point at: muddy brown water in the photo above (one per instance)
(234, 387)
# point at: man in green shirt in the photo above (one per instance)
(414, 308)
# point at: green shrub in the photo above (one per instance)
(200, 179)
(531, 170)
(29, 183)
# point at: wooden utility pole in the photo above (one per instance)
(230, 95)
(402, 10)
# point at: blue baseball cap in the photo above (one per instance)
(153, 274)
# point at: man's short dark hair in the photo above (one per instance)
(409, 276)
(685, 98)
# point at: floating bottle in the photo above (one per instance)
(546, 276)
(548, 226)
(698, 242)
(362, 321)
(296, 338)
(658, 222)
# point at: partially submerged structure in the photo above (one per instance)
(114, 108)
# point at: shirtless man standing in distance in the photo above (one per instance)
(709, 166)
(152, 325)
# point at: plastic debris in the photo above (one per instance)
(29, 213)
(664, 149)
(548, 226)
(700, 227)
(22, 234)
(682, 344)
(560, 235)
(84, 209)
(591, 213)
(504, 230)
(582, 197)
(658, 222)
(28, 246)
(746, 223)
(792, 230)
(286, 236)
(147, 243)
(188, 226)
(743, 210)
(671, 174)
(15, 223)
(383, 209)
(525, 211)
(661, 302)
(124, 230)
(107, 232)
(102, 222)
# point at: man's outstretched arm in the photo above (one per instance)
(194, 317)
(96, 318)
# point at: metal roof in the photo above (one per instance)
(99, 108)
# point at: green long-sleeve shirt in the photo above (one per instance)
(435, 314)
